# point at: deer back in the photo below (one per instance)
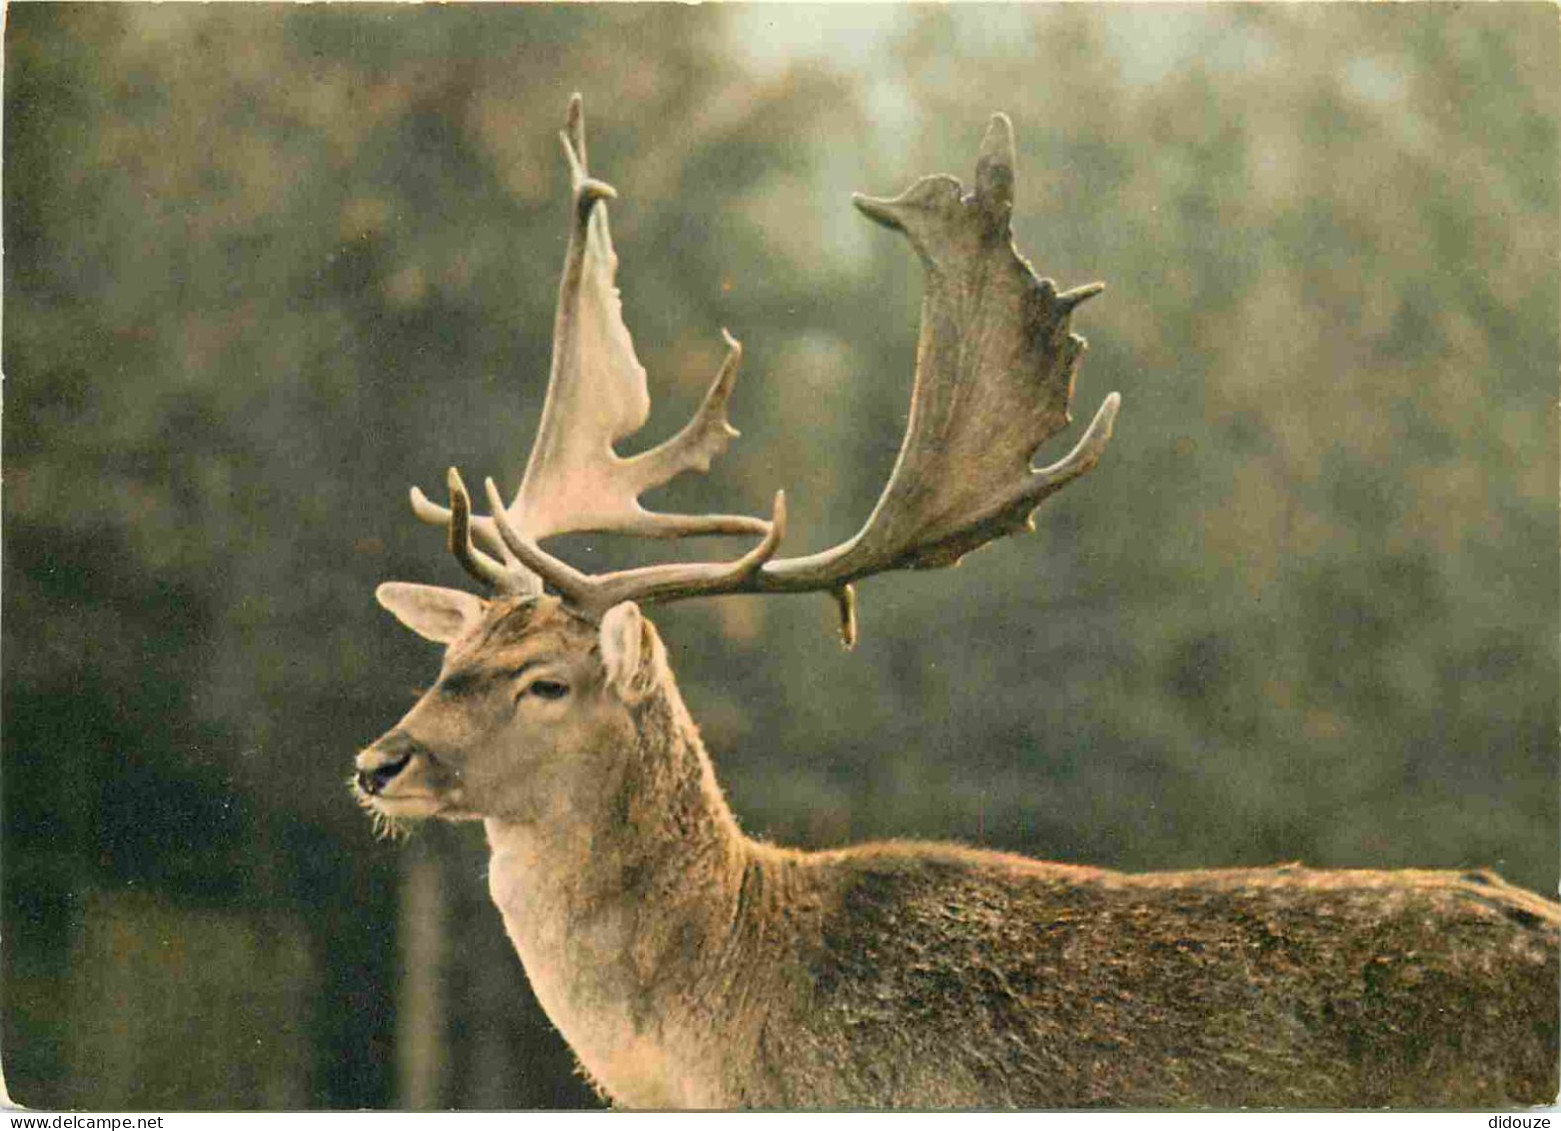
(937, 976)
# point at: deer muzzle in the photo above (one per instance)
(379, 764)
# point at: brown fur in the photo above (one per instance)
(690, 966)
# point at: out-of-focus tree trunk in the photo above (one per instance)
(422, 1000)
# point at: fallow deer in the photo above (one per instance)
(691, 966)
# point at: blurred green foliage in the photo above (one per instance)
(266, 266)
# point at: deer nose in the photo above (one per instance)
(384, 760)
(375, 778)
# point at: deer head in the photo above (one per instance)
(532, 706)
(550, 667)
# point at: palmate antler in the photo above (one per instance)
(596, 396)
(994, 377)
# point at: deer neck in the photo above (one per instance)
(620, 909)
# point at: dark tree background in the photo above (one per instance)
(267, 266)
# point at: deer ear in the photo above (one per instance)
(631, 652)
(436, 614)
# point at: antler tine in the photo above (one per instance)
(481, 567)
(1084, 456)
(702, 438)
(574, 128)
(479, 527)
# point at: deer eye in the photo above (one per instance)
(547, 689)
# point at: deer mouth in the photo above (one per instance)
(399, 778)
(404, 805)
(383, 784)
(388, 805)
